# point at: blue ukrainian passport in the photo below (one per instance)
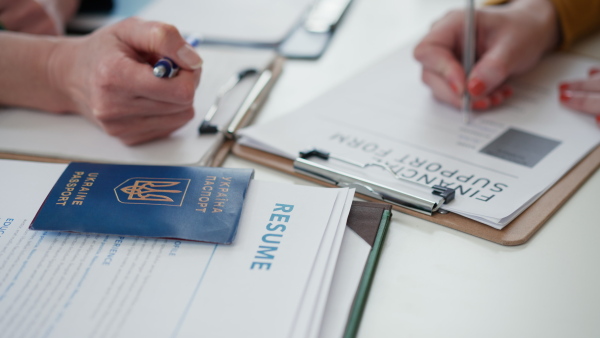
(190, 203)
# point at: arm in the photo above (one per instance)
(105, 76)
(25, 81)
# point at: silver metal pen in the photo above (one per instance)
(468, 55)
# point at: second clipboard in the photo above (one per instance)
(519, 231)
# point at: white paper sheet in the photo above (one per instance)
(315, 297)
(249, 21)
(348, 272)
(62, 284)
(499, 163)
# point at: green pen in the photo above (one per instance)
(362, 293)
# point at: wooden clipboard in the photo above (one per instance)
(519, 231)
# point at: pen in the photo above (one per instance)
(165, 67)
(360, 300)
(468, 56)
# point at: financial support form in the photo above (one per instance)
(499, 163)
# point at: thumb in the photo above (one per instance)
(490, 71)
(158, 38)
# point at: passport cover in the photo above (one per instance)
(190, 203)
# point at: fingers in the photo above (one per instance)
(440, 88)
(495, 98)
(159, 39)
(437, 52)
(443, 92)
(140, 129)
(583, 95)
(590, 85)
(587, 102)
(131, 74)
(491, 70)
(125, 77)
(124, 108)
(441, 62)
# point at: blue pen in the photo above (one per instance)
(166, 67)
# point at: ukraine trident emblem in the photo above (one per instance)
(152, 191)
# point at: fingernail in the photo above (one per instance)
(594, 71)
(598, 120)
(476, 87)
(563, 86)
(566, 95)
(456, 88)
(481, 105)
(507, 92)
(189, 55)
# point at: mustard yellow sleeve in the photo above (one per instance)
(577, 18)
(495, 2)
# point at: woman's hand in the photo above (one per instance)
(510, 40)
(583, 95)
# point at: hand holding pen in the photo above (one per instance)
(109, 78)
(510, 40)
(166, 67)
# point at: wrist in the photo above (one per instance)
(59, 63)
(545, 17)
(23, 65)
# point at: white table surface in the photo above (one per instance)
(433, 281)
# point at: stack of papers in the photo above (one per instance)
(499, 163)
(273, 281)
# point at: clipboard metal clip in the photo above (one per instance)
(416, 197)
(206, 127)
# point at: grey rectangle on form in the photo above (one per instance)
(520, 147)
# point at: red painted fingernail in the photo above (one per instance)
(476, 87)
(565, 95)
(481, 104)
(563, 86)
(507, 92)
(598, 119)
(594, 71)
